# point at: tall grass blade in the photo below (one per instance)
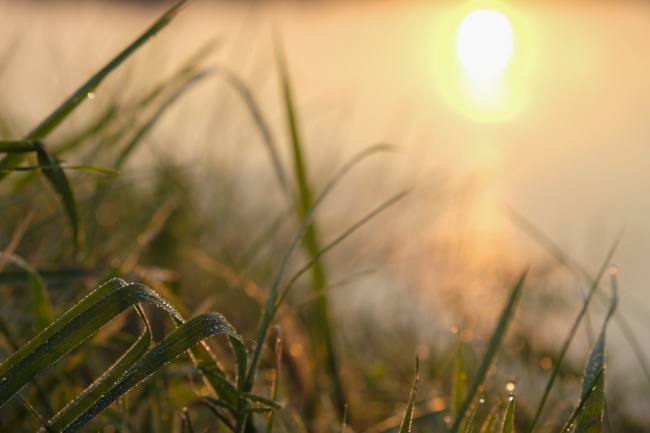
(241, 355)
(509, 417)
(91, 394)
(40, 299)
(177, 342)
(275, 294)
(81, 94)
(322, 330)
(569, 338)
(493, 346)
(459, 390)
(61, 185)
(407, 421)
(590, 418)
(17, 146)
(261, 123)
(77, 325)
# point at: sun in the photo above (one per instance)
(484, 44)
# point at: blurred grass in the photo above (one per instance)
(190, 252)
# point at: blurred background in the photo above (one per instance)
(551, 147)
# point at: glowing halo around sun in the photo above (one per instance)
(484, 44)
(483, 56)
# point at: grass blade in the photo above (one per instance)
(569, 338)
(40, 299)
(17, 146)
(81, 94)
(459, 391)
(405, 427)
(177, 342)
(59, 181)
(509, 417)
(590, 418)
(73, 328)
(91, 394)
(321, 329)
(491, 420)
(488, 358)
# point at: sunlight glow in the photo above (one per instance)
(484, 44)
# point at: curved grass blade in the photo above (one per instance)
(177, 342)
(73, 328)
(405, 427)
(213, 404)
(261, 123)
(40, 299)
(270, 307)
(81, 94)
(509, 417)
(128, 149)
(488, 358)
(569, 338)
(59, 181)
(241, 355)
(91, 394)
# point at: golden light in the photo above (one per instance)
(483, 53)
(484, 44)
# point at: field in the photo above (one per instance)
(145, 287)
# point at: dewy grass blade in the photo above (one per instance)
(590, 418)
(73, 328)
(569, 338)
(81, 94)
(88, 168)
(241, 355)
(177, 342)
(40, 299)
(488, 358)
(91, 394)
(509, 417)
(405, 427)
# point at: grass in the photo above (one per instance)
(281, 364)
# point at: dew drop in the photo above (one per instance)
(511, 398)
(510, 387)
(91, 95)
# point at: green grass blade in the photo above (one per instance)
(144, 129)
(176, 343)
(270, 307)
(17, 146)
(321, 328)
(509, 417)
(569, 338)
(493, 346)
(241, 356)
(73, 328)
(590, 418)
(261, 123)
(81, 94)
(405, 427)
(61, 185)
(265, 402)
(44, 168)
(91, 394)
(40, 299)
(459, 390)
